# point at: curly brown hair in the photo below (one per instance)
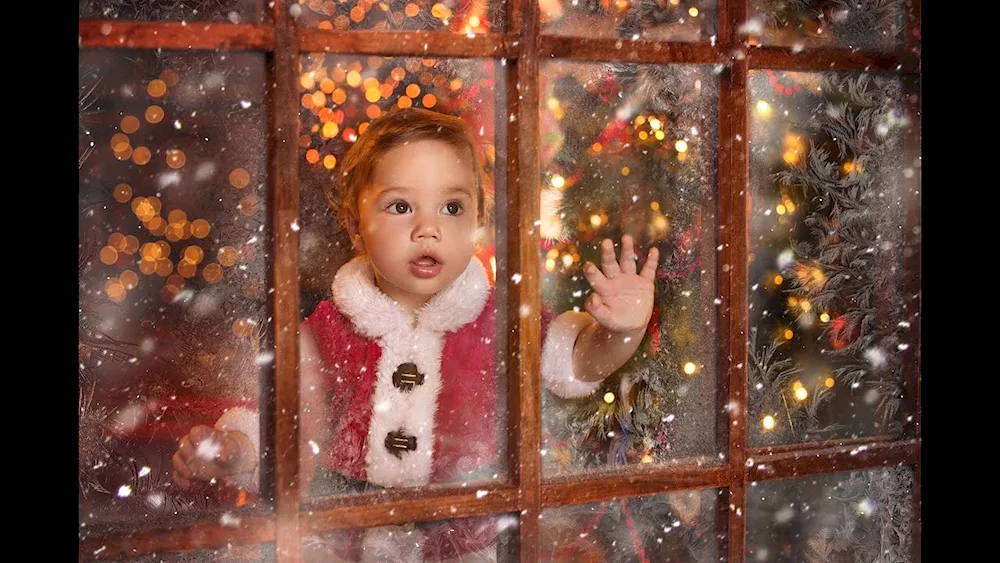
(394, 129)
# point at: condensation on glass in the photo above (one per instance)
(829, 319)
(480, 539)
(339, 97)
(652, 20)
(632, 149)
(223, 11)
(848, 516)
(248, 553)
(871, 25)
(457, 16)
(174, 327)
(682, 527)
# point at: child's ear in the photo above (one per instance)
(356, 241)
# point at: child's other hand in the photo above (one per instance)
(204, 454)
(622, 300)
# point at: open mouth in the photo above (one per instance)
(425, 266)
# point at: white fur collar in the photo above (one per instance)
(374, 313)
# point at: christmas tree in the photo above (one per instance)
(827, 323)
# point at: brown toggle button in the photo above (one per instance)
(396, 441)
(406, 377)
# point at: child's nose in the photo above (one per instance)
(426, 228)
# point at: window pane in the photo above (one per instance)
(630, 149)
(263, 553)
(459, 16)
(681, 527)
(828, 316)
(856, 516)
(174, 327)
(872, 25)
(659, 20)
(472, 540)
(228, 11)
(444, 387)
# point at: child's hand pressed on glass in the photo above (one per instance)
(622, 299)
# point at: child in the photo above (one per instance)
(397, 369)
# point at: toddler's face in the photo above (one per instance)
(417, 220)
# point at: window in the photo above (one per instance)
(769, 150)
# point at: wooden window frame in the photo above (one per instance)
(526, 492)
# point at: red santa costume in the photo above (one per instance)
(411, 402)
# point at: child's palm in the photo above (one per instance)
(622, 299)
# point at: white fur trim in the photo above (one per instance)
(375, 314)
(392, 544)
(242, 419)
(557, 356)
(402, 341)
(409, 411)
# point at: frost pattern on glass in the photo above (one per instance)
(857, 517)
(264, 553)
(828, 319)
(458, 16)
(678, 527)
(228, 11)
(474, 540)
(872, 25)
(632, 149)
(173, 319)
(336, 105)
(652, 20)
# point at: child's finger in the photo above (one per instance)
(597, 309)
(628, 255)
(187, 449)
(180, 466)
(594, 276)
(608, 263)
(652, 261)
(181, 481)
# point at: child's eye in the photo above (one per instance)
(399, 207)
(453, 208)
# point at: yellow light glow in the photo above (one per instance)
(768, 422)
(780, 209)
(609, 397)
(640, 119)
(550, 265)
(647, 459)
(558, 181)
(353, 79)
(801, 394)
(109, 255)
(308, 80)
(330, 130)
(693, 12)
(329, 161)
(239, 178)
(154, 114)
(123, 193)
(825, 317)
(806, 306)
(681, 145)
(763, 108)
(690, 368)
(595, 220)
(660, 135)
(654, 124)
(130, 124)
(474, 21)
